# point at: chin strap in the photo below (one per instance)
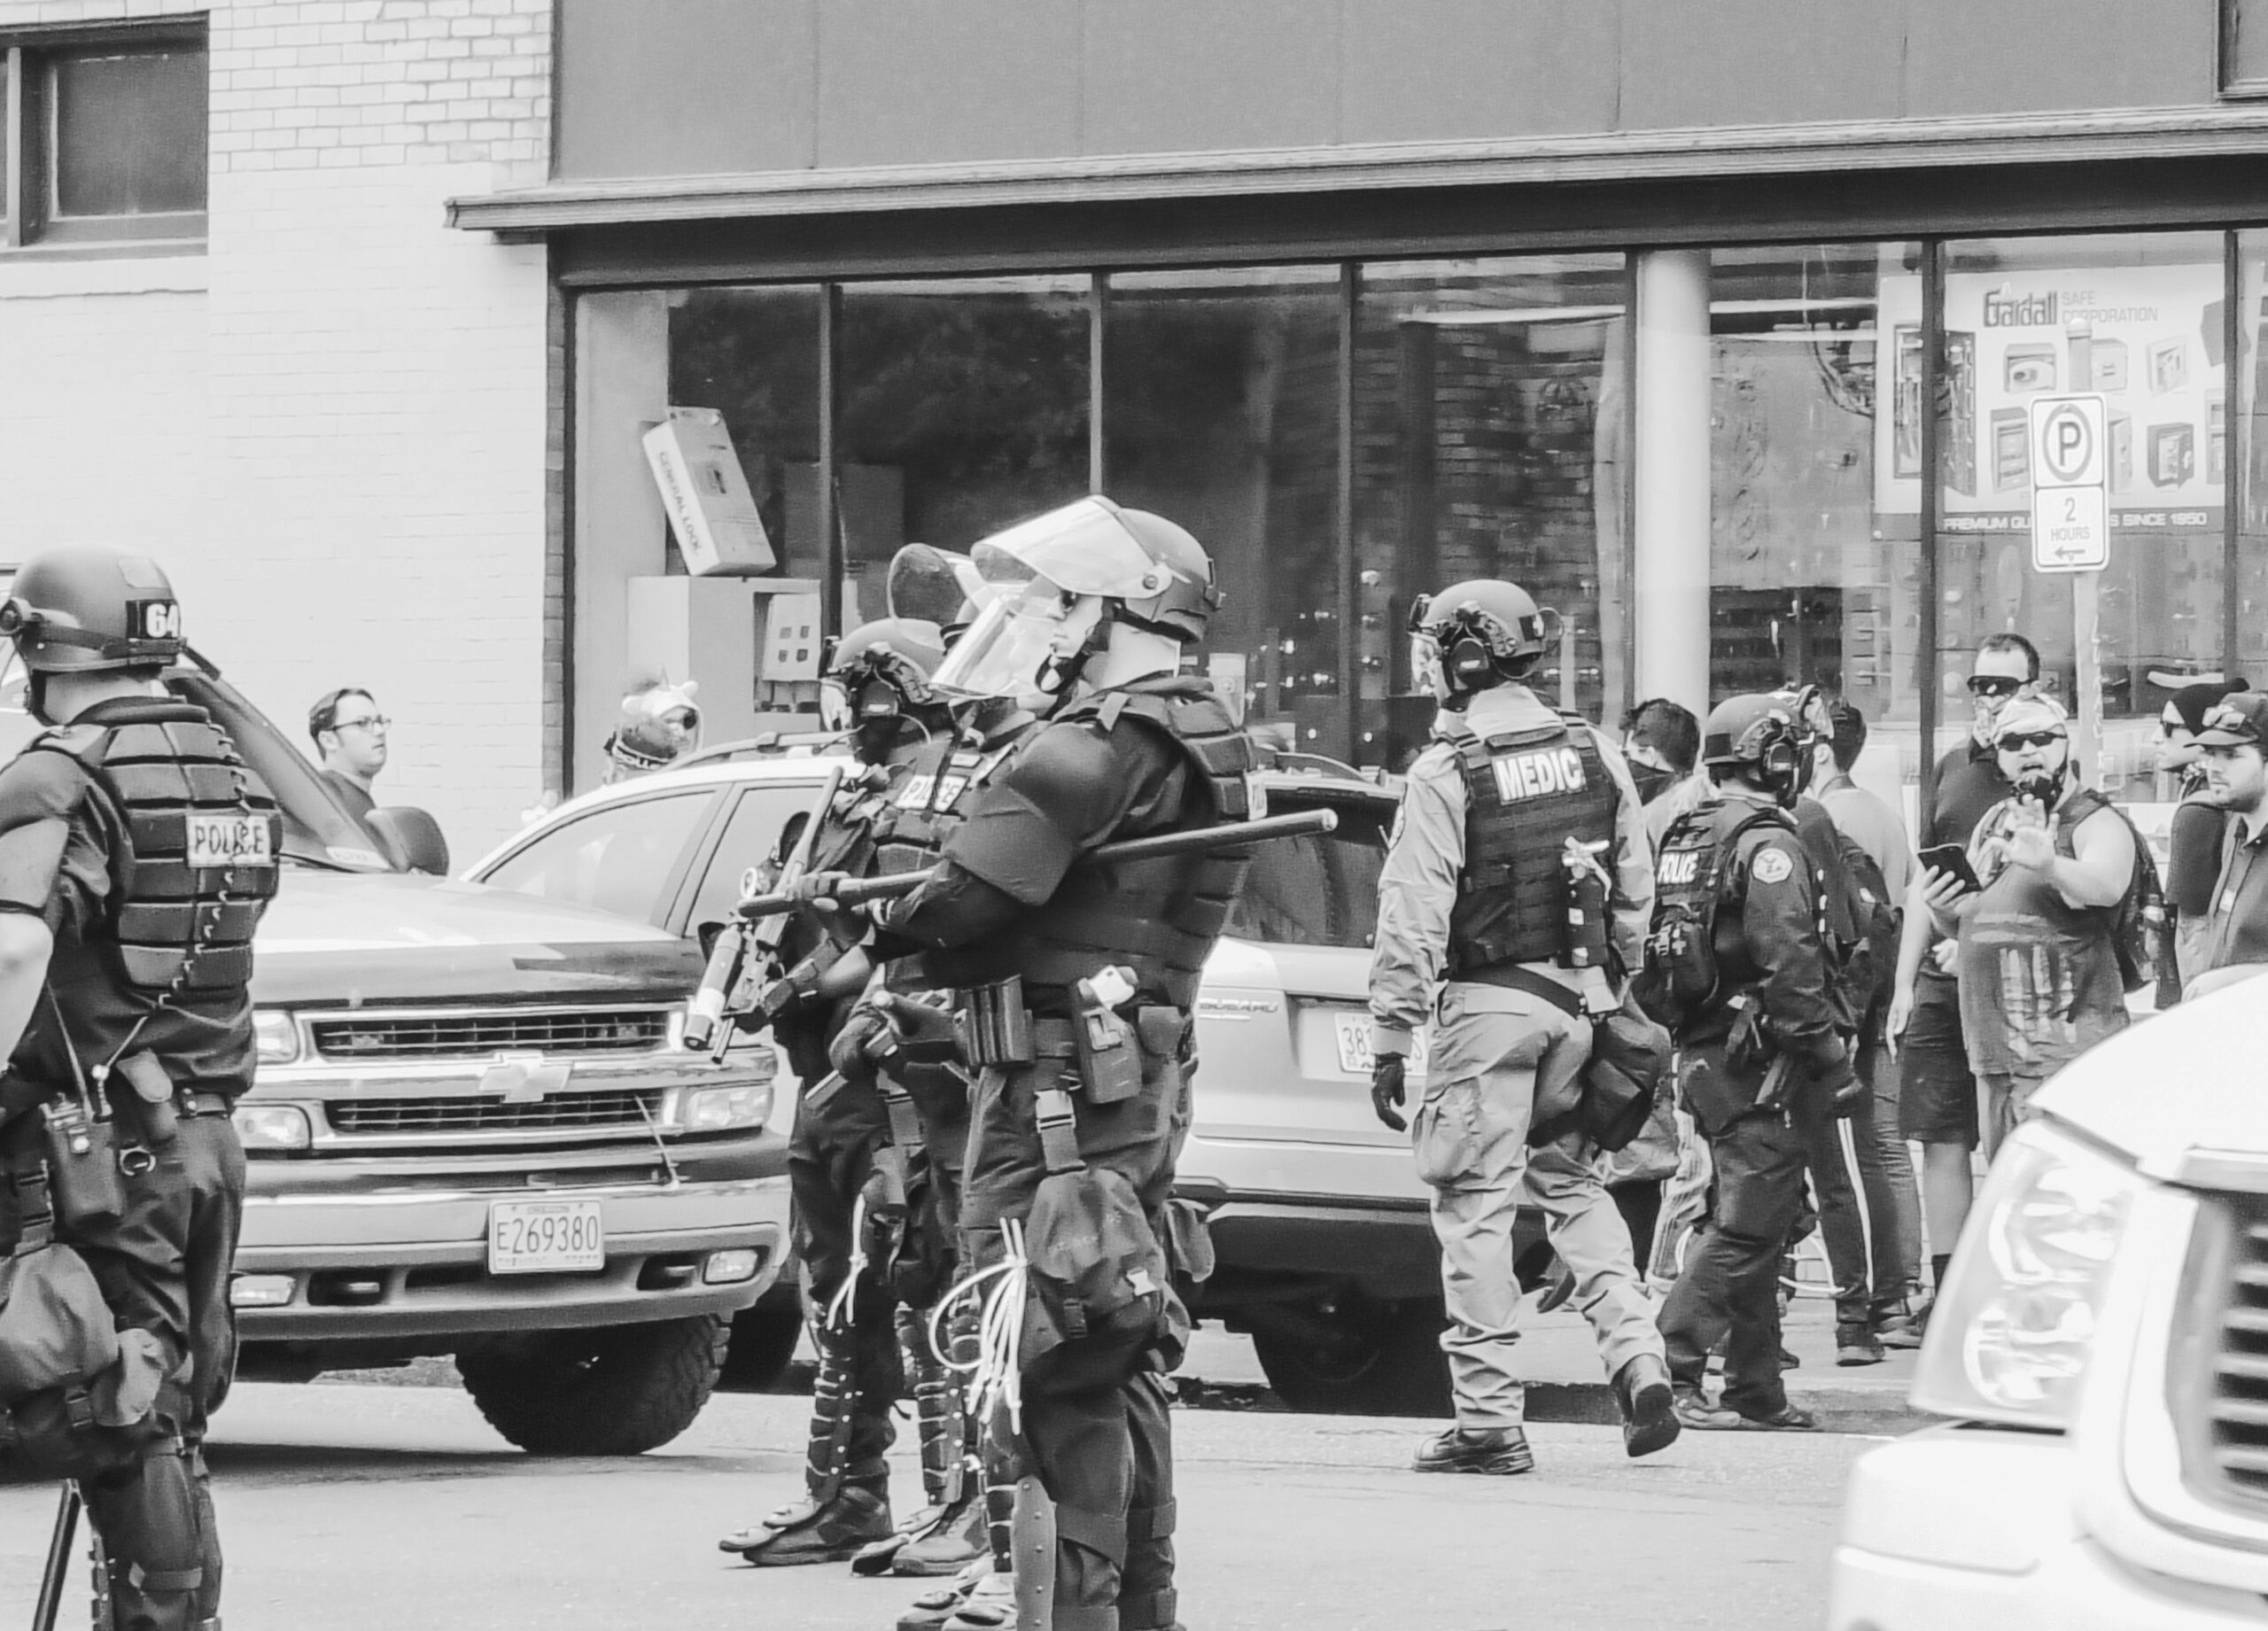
(1059, 676)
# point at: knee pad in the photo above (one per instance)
(156, 1520)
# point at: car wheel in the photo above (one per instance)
(1352, 1355)
(610, 1390)
(764, 1340)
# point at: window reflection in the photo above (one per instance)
(1220, 411)
(2139, 321)
(1490, 438)
(752, 354)
(963, 409)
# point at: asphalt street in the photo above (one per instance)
(360, 1507)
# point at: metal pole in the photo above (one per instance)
(57, 1575)
(2236, 436)
(830, 526)
(1349, 608)
(1925, 660)
(1098, 452)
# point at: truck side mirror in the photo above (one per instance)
(414, 836)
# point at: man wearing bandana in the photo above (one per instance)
(2038, 964)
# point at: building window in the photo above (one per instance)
(1491, 429)
(2140, 322)
(2244, 47)
(1220, 410)
(109, 130)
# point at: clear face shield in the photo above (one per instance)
(936, 585)
(1004, 652)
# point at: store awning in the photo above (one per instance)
(1624, 156)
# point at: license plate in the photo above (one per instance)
(545, 1237)
(230, 841)
(1355, 1046)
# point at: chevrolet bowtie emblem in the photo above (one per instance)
(523, 1078)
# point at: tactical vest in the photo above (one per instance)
(1160, 917)
(932, 798)
(1526, 794)
(1696, 953)
(199, 847)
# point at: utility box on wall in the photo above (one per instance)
(705, 494)
(717, 631)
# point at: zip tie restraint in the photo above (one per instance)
(838, 1307)
(995, 1375)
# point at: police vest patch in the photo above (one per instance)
(1535, 775)
(1679, 867)
(1773, 865)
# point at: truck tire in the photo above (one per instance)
(1358, 1356)
(609, 1390)
(763, 1342)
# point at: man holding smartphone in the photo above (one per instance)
(2037, 921)
(1937, 1094)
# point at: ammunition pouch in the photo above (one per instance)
(996, 1028)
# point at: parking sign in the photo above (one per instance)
(2070, 510)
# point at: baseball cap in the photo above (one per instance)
(2025, 715)
(2237, 720)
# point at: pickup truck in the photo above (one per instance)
(476, 1132)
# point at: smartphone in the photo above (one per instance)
(1952, 857)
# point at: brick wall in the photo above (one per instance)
(334, 426)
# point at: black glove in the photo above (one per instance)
(1844, 1087)
(847, 1052)
(1386, 1072)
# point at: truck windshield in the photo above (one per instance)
(1316, 891)
(317, 831)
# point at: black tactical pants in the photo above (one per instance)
(164, 1268)
(830, 1158)
(1104, 1452)
(1729, 1287)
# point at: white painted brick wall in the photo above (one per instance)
(340, 446)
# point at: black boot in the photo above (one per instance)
(1649, 1423)
(1501, 1451)
(838, 1516)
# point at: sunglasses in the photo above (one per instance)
(2016, 740)
(1994, 685)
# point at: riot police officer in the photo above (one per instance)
(1508, 808)
(1076, 981)
(848, 1206)
(1736, 966)
(137, 852)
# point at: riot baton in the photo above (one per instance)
(52, 1579)
(1198, 841)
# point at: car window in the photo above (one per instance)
(1316, 891)
(751, 834)
(617, 859)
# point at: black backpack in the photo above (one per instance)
(2138, 930)
(1868, 963)
(1692, 872)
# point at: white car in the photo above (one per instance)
(1325, 1252)
(2100, 1355)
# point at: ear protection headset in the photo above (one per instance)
(1779, 755)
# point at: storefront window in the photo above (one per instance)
(963, 406)
(2140, 322)
(1813, 554)
(2251, 454)
(752, 354)
(1220, 411)
(1491, 430)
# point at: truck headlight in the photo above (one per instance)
(2011, 1330)
(272, 1127)
(276, 1036)
(721, 1109)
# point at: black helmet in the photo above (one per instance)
(1485, 630)
(85, 610)
(1760, 736)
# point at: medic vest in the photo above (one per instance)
(197, 856)
(1161, 918)
(1526, 794)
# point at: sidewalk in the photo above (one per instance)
(1566, 1384)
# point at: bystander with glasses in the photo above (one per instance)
(350, 738)
(2193, 835)
(2234, 941)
